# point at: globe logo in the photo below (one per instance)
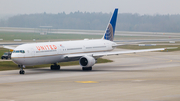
(109, 33)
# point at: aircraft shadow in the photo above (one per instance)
(94, 70)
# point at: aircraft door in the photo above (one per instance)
(32, 52)
(60, 49)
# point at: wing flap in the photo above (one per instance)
(125, 52)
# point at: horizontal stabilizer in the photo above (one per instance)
(9, 47)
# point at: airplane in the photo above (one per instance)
(86, 51)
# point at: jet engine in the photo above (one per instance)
(87, 61)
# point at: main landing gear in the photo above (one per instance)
(55, 67)
(86, 68)
(21, 69)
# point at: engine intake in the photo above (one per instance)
(87, 61)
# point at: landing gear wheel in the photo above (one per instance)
(86, 68)
(58, 67)
(52, 67)
(55, 67)
(21, 72)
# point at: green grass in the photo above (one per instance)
(136, 47)
(9, 65)
(10, 36)
(2, 50)
(26, 36)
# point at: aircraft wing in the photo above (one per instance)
(9, 47)
(125, 52)
(98, 54)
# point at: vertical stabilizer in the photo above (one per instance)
(110, 31)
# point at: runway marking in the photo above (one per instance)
(112, 80)
(86, 81)
(173, 61)
(138, 80)
(170, 61)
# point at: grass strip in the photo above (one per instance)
(2, 51)
(26, 36)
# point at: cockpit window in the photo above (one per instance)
(22, 51)
(18, 51)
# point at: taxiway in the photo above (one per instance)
(150, 76)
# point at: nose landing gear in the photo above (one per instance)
(21, 69)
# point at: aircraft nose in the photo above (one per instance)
(13, 56)
(15, 59)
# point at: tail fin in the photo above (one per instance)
(109, 34)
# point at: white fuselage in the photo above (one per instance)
(53, 52)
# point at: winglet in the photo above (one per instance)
(110, 31)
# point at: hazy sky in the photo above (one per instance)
(56, 6)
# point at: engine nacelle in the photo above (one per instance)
(87, 61)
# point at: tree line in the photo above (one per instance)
(96, 21)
